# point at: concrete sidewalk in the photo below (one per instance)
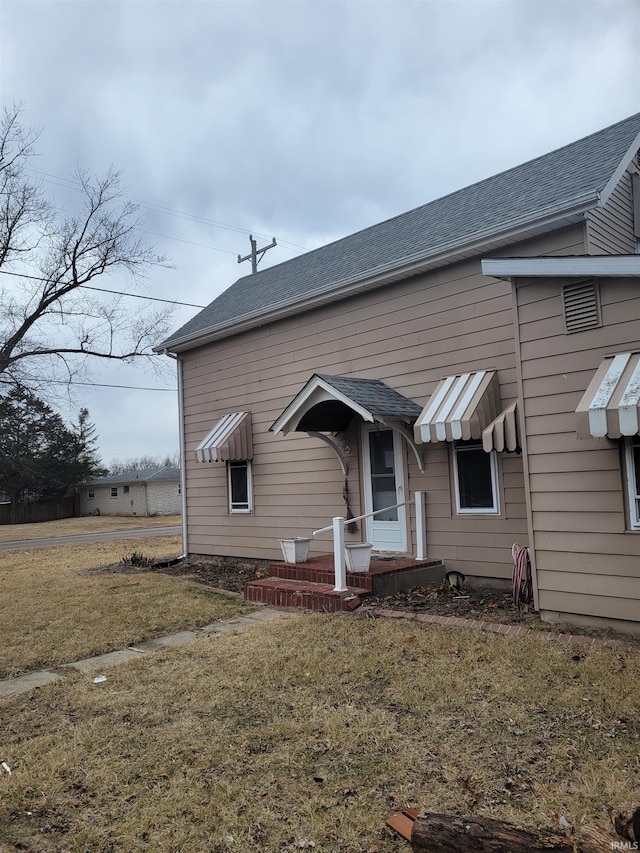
(94, 665)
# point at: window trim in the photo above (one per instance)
(246, 464)
(493, 469)
(633, 493)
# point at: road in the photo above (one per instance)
(90, 537)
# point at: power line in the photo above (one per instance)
(101, 385)
(106, 290)
(70, 183)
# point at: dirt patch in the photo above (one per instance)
(483, 603)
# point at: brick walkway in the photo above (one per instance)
(505, 630)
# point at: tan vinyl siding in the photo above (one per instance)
(586, 559)
(391, 335)
(409, 335)
(610, 229)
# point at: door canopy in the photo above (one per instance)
(328, 403)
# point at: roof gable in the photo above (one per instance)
(566, 182)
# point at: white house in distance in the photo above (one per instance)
(149, 491)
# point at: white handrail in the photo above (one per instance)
(360, 517)
(338, 526)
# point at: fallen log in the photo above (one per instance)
(626, 821)
(441, 833)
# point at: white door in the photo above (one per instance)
(384, 487)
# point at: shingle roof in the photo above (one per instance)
(547, 186)
(374, 395)
(144, 475)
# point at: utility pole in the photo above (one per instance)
(253, 255)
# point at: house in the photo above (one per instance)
(149, 491)
(483, 349)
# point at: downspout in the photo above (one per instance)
(183, 458)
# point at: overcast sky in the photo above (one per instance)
(304, 120)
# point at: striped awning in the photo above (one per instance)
(460, 408)
(230, 439)
(610, 404)
(502, 433)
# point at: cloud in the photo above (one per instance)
(303, 120)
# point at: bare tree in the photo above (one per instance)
(139, 463)
(53, 319)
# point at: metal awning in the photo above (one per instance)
(502, 433)
(328, 403)
(229, 440)
(460, 408)
(609, 406)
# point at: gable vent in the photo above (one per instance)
(581, 306)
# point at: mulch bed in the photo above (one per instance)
(483, 604)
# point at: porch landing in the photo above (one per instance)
(310, 585)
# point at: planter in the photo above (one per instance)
(295, 550)
(358, 557)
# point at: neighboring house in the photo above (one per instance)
(483, 348)
(150, 491)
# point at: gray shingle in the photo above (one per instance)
(517, 197)
(374, 395)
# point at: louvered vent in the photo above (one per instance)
(581, 306)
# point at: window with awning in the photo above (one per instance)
(230, 440)
(609, 406)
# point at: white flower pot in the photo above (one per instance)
(358, 557)
(295, 550)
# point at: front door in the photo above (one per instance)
(384, 487)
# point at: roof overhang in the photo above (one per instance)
(403, 268)
(598, 266)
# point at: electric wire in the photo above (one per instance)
(70, 183)
(106, 290)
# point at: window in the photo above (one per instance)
(114, 491)
(90, 494)
(476, 478)
(125, 489)
(239, 486)
(632, 459)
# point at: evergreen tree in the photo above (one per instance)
(88, 437)
(40, 458)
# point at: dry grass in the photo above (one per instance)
(308, 733)
(86, 524)
(55, 611)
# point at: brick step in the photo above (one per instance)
(386, 576)
(285, 592)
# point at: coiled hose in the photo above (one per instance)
(522, 583)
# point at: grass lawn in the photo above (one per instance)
(308, 733)
(86, 524)
(56, 610)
